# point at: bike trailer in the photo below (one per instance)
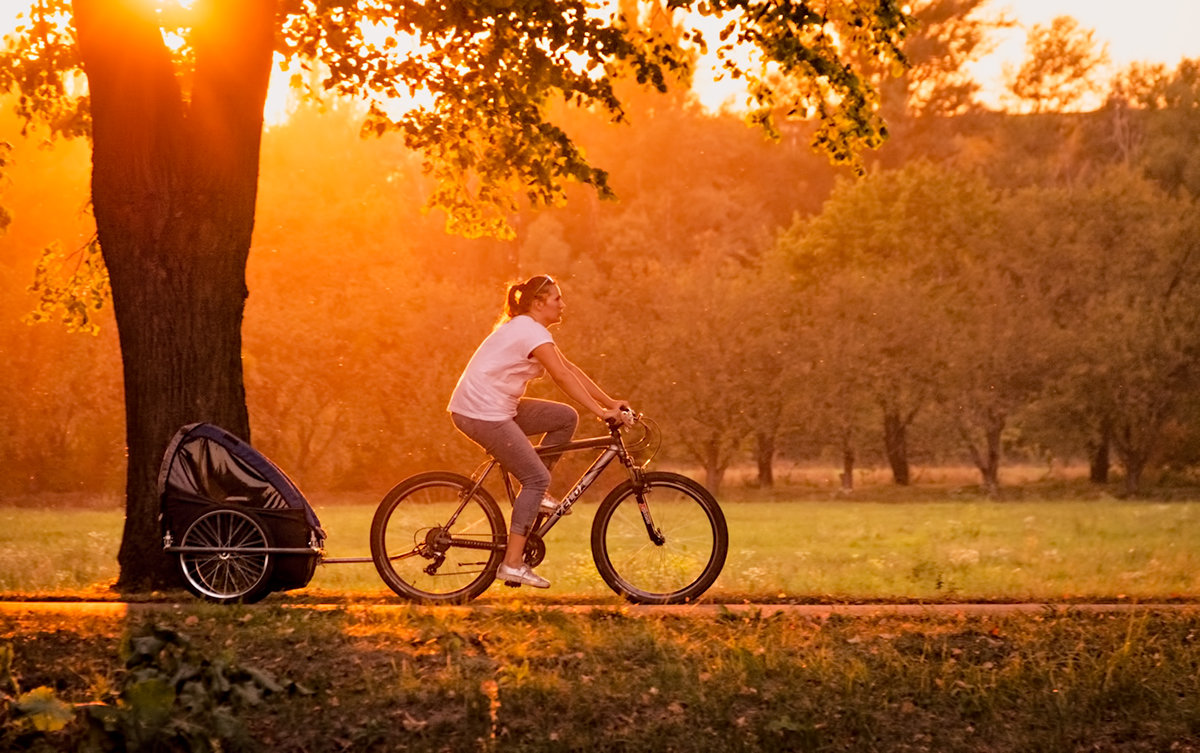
(239, 526)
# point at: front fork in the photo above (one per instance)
(638, 477)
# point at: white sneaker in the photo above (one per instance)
(523, 575)
(550, 504)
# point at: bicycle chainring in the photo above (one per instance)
(535, 550)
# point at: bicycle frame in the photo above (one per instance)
(613, 448)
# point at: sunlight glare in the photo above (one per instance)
(398, 45)
(282, 98)
(279, 94)
(173, 40)
(712, 85)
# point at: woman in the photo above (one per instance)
(488, 405)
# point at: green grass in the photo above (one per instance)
(57, 551)
(779, 551)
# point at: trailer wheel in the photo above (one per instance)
(232, 564)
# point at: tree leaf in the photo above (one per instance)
(45, 710)
(153, 698)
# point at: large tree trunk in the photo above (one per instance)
(174, 182)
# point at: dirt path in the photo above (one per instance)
(118, 609)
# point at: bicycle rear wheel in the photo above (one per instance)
(424, 557)
(675, 558)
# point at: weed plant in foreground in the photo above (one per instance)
(525, 678)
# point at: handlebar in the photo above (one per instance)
(634, 417)
(640, 437)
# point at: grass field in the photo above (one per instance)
(811, 551)
(523, 676)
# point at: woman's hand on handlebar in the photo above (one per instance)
(621, 415)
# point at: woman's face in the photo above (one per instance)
(549, 308)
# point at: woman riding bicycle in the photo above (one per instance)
(489, 407)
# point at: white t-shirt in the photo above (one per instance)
(496, 376)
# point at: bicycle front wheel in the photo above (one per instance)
(434, 545)
(670, 555)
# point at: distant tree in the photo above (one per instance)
(176, 138)
(1124, 256)
(1000, 358)
(926, 105)
(1060, 422)
(841, 335)
(1131, 93)
(699, 359)
(335, 219)
(946, 36)
(1042, 139)
(1061, 67)
(890, 249)
(62, 398)
(697, 346)
(738, 189)
(1169, 138)
(778, 363)
(740, 186)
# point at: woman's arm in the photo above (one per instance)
(572, 380)
(593, 389)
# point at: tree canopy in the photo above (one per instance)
(473, 86)
(173, 105)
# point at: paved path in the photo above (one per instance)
(118, 609)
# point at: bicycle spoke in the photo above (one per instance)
(414, 552)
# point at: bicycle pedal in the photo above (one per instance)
(512, 585)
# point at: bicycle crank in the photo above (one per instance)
(535, 550)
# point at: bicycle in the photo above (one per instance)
(657, 538)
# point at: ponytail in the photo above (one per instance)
(512, 306)
(522, 295)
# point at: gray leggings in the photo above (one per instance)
(508, 442)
